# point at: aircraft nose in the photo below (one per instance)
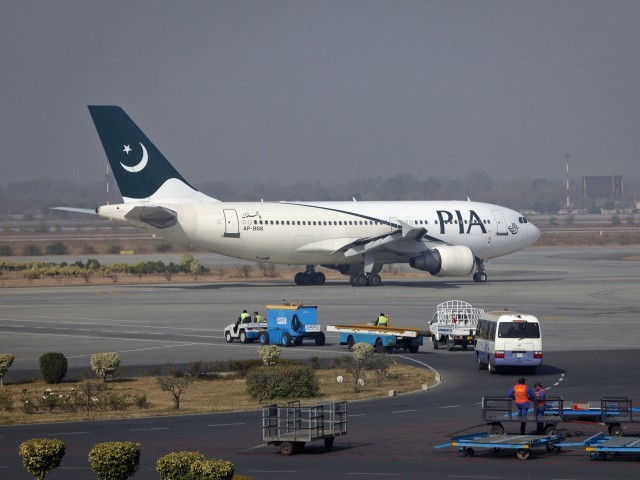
(535, 233)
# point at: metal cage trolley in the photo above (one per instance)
(292, 426)
(499, 410)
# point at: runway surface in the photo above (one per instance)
(586, 298)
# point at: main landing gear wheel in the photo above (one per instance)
(365, 280)
(309, 278)
(480, 277)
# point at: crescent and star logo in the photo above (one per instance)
(138, 166)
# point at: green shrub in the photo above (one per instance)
(41, 455)
(177, 465)
(53, 367)
(211, 470)
(282, 381)
(115, 460)
(269, 354)
(141, 401)
(114, 249)
(5, 250)
(6, 360)
(31, 251)
(56, 248)
(105, 364)
(6, 401)
(163, 247)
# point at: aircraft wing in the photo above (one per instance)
(407, 238)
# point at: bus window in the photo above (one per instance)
(518, 330)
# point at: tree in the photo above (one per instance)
(355, 365)
(41, 455)
(6, 360)
(176, 386)
(105, 364)
(53, 366)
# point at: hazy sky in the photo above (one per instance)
(330, 90)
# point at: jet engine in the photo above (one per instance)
(445, 261)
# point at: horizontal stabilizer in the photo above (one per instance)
(90, 211)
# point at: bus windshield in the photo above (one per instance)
(518, 330)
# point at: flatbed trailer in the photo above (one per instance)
(382, 338)
(292, 426)
(524, 445)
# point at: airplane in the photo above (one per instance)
(357, 238)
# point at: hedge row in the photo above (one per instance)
(33, 270)
(121, 460)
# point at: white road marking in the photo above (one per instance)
(67, 433)
(225, 424)
(147, 429)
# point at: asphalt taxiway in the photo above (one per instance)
(586, 298)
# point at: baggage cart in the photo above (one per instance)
(611, 411)
(602, 447)
(524, 445)
(292, 426)
(499, 410)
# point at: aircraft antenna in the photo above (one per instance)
(566, 157)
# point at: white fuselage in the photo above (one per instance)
(318, 232)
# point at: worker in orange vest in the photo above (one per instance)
(521, 394)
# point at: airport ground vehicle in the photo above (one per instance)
(291, 323)
(613, 412)
(497, 411)
(522, 444)
(454, 323)
(291, 427)
(245, 332)
(382, 338)
(602, 447)
(508, 339)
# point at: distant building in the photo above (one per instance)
(603, 189)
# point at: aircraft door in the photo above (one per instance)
(501, 224)
(231, 224)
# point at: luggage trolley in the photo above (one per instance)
(522, 444)
(499, 410)
(612, 412)
(601, 446)
(293, 426)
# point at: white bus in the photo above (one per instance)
(508, 339)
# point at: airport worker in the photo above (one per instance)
(257, 318)
(245, 317)
(521, 394)
(382, 321)
(540, 401)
